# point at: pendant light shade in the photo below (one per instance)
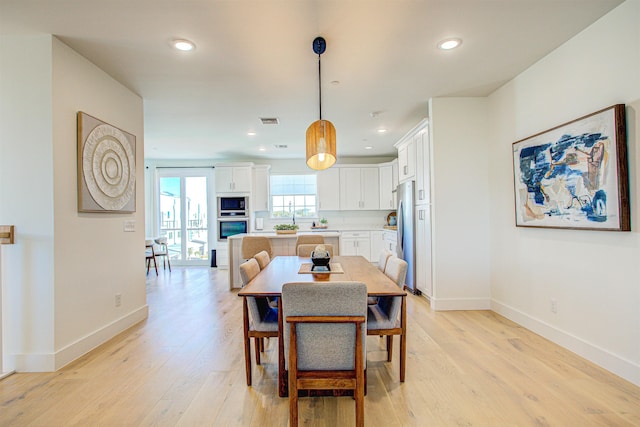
(321, 145)
(321, 135)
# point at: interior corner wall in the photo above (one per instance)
(460, 203)
(60, 277)
(593, 275)
(95, 259)
(26, 190)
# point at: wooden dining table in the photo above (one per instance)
(287, 269)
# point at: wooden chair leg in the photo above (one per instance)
(256, 342)
(293, 380)
(389, 347)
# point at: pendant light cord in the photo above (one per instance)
(319, 87)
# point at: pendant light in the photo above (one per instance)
(321, 134)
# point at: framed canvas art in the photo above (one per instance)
(106, 167)
(575, 175)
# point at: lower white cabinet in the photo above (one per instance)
(391, 240)
(423, 280)
(356, 243)
(377, 245)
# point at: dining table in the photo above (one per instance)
(288, 269)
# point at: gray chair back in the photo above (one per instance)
(263, 259)
(306, 249)
(251, 245)
(396, 270)
(248, 270)
(324, 346)
(382, 259)
(308, 239)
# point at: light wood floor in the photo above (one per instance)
(184, 366)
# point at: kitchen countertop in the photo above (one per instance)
(273, 235)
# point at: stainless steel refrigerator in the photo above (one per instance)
(407, 231)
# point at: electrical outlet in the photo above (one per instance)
(118, 300)
(554, 305)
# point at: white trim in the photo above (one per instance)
(6, 374)
(448, 304)
(54, 361)
(624, 368)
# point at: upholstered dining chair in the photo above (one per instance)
(382, 259)
(305, 249)
(302, 239)
(150, 255)
(383, 317)
(263, 259)
(325, 340)
(163, 251)
(251, 245)
(259, 318)
(382, 264)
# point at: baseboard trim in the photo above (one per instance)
(53, 361)
(450, 304)
(622, 367)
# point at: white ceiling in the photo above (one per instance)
(254, 59)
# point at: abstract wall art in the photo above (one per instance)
(575, 175)
(106, 167)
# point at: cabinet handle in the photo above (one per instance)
(421, 194)
(405, 170)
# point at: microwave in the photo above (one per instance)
(232, 206)
(231, 227)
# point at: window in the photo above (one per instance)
(293, 194)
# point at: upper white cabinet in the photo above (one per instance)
(260, 190)
(329, 189)
(359, 188)
(388, 173)
(408, 156)
(233, 179)
(423, 167)
(406, 160)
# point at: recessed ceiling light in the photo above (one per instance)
(184, 45)
(262, 149)
(382, 130)
(368, 147)
(449, 44)
(251, 133)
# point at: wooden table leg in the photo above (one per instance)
(283, 386)
(247, 342)
(403, 338)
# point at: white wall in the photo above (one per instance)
(594, 275)
(460, 212)
(26, 196)
(65, 267)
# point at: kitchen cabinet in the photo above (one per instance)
(387, 187)
(233, 179)
(423, 167)
(423, 280)
(359, 188)
(391, 241)
(356, 243)
(377, 244)
(260, 189)
(406, 160)
(329, 189)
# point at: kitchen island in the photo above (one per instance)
(283, 244)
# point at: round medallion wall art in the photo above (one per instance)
(106, 167)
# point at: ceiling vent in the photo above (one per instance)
(281, 146)
(269, 120)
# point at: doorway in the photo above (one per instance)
(183, 213)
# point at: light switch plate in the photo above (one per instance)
(129, 225)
